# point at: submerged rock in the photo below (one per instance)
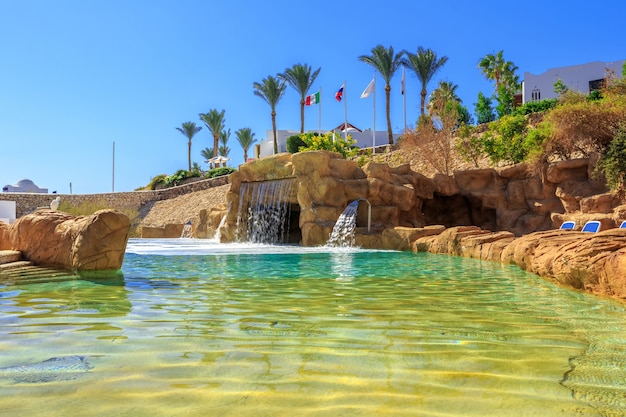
(63, 368)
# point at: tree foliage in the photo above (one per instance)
(189, 129)
(584, 127)
(484, 110)
(386, 62)
(613, 162)
(215, 121)
(245, 137)
(329, 141)
(294, 143)
(425, 64)
(301, 78)
(271, 90)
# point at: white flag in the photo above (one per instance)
(369, 89)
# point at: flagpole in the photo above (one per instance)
(319, 122)
(404, 98)
(345, 110)
(374, 131)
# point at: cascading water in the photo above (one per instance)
(265, 219)
(187, 231)
(343, 233)
(218, 232)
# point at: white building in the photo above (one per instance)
(363, 138)
(583, 78)
(24, 186)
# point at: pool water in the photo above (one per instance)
(195, 328)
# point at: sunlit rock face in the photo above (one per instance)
(325, 184)
(53, 238)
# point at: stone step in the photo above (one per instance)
(30, 274)
(8, 256)
(14, 265)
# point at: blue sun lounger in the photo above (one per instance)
(623, 225)
(568, 225)
(592, 226)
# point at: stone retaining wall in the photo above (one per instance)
(27, 203)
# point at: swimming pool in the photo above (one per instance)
(194, 328)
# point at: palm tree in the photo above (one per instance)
(495, 68)
(445, 92)
(301, 79)
(245, 136)
(271, 89)
(386, 63)
(224, 136)
(425, 64)
(215, 122)
(189, 129)
(207, 153)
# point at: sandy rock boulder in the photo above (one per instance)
(52, 238)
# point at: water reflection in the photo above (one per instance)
(289, 332)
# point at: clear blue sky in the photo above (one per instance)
(78, 75)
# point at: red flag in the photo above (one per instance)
(339, 94)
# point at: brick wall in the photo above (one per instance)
(27, 203)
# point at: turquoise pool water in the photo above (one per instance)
(194, 328)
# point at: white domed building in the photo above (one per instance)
(24, 186)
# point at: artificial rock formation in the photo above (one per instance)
(522, 200)
(326, 183)
(52, 238)
(592, 262)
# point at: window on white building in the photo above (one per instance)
(535, 95)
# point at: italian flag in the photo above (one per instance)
(312, 99)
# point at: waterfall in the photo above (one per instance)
(187, 230)
(343, 232)
(218, 232)
(264, 211)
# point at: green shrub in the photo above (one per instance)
(504, 139)
(218, 172)
(158, 180)
(535, 107)
(330, 141)
(613, 162)
(181, 175)
(469, 145)
(294, 143)
(535, 139)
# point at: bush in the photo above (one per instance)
(504, 139)
(613, 162)
(158, 180)
(535, 107)
(218, 172)
(585, 127)
(330, 141)
(294, 143)
(469, 145)
(177, 177)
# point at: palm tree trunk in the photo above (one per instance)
(245, 155)
(387, 108)
(301, 116)
(422, 101)
(274, 130)
(216, 144)
(189, 154)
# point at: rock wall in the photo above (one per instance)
(27, 203)
(326, 183)
(522, 201)
(591, 262)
